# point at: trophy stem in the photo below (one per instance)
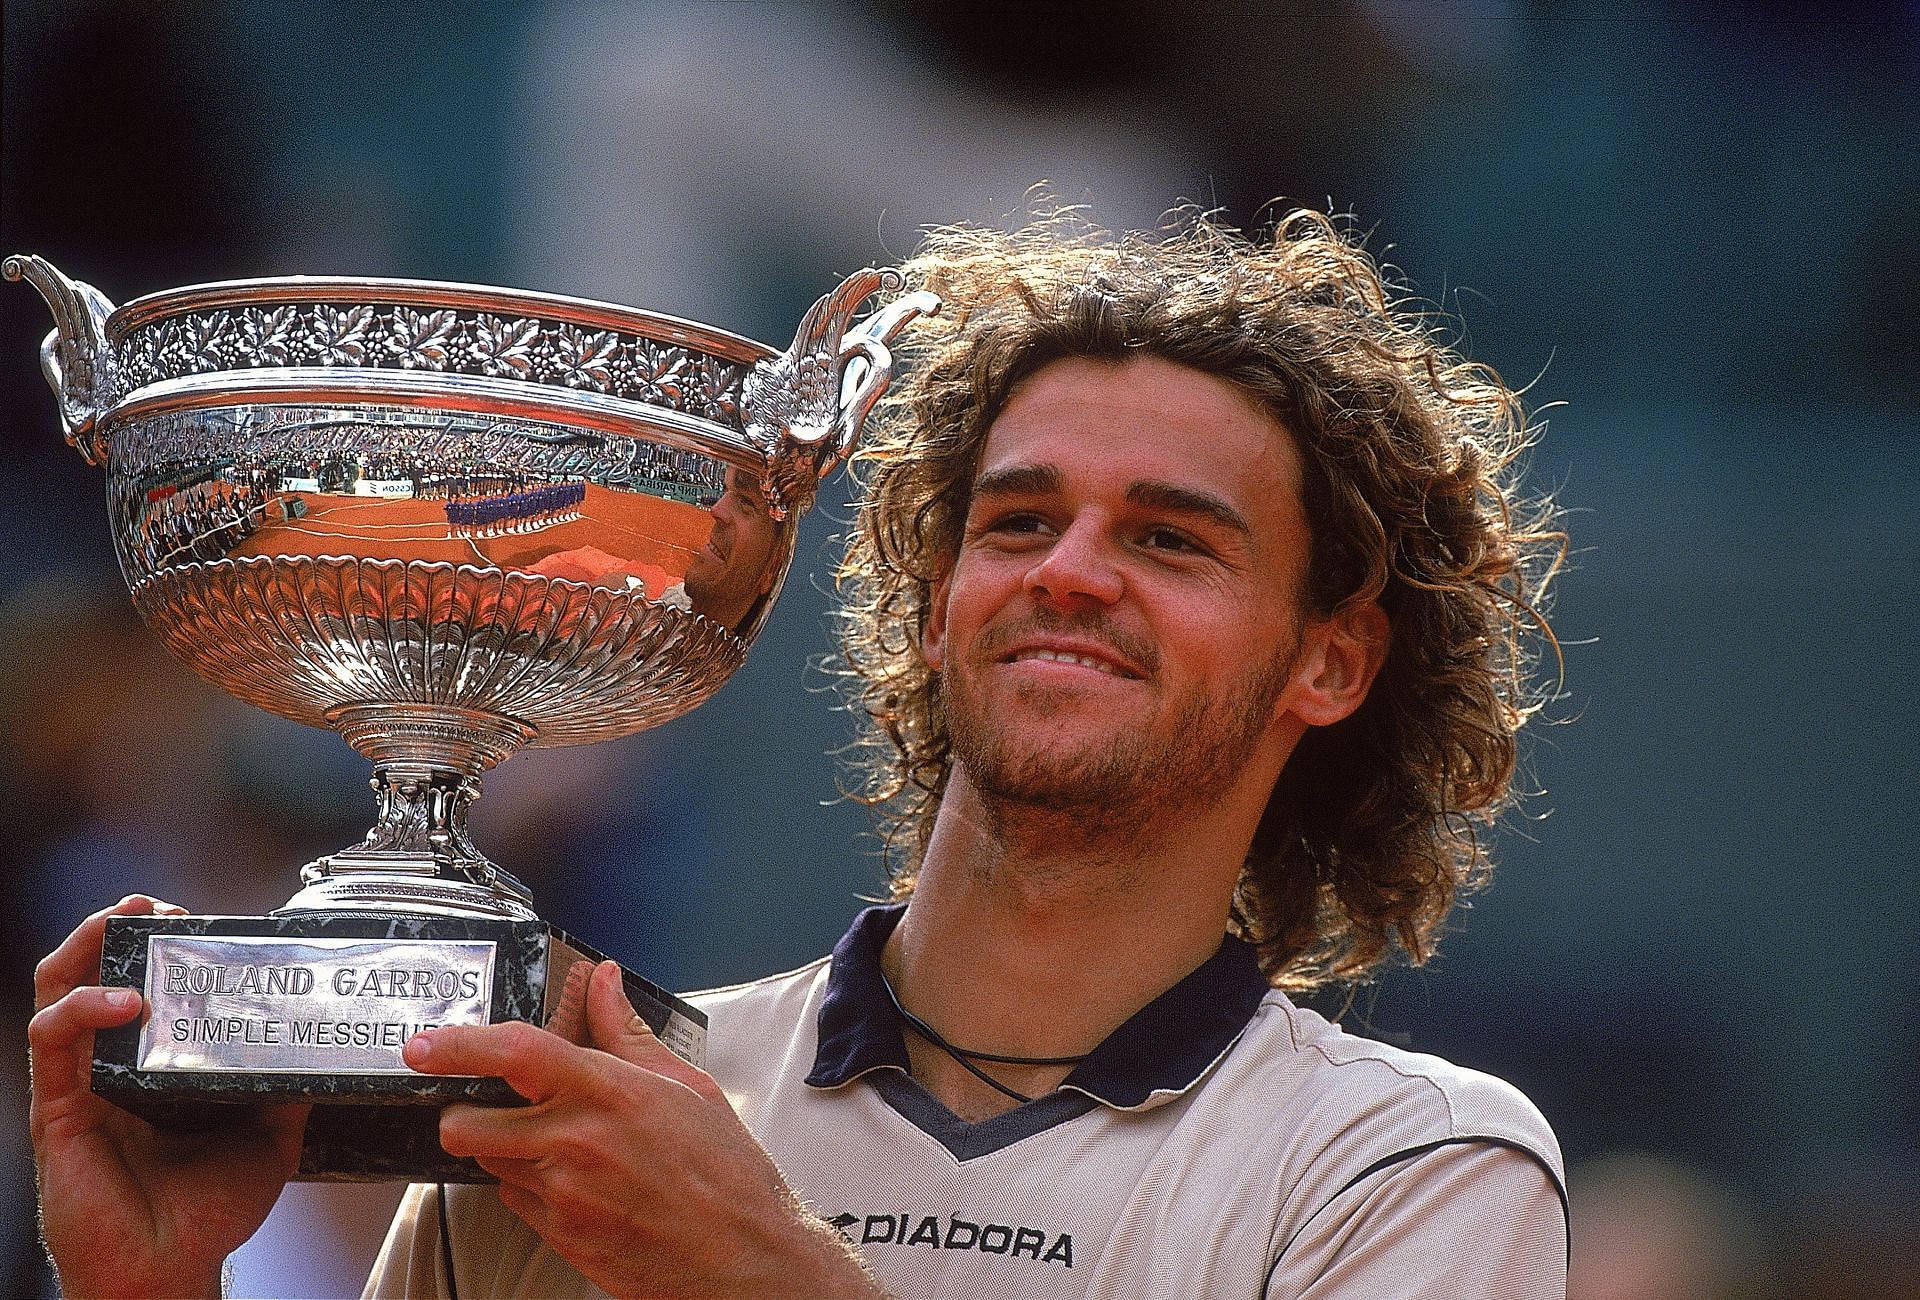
(427, 762)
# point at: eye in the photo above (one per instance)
(1016, 523)
(1171, 540)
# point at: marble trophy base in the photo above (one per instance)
(313, 1007)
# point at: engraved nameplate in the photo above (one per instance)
(269, 1005)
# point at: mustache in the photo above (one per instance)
(1093, 626)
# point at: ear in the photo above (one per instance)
(1340, 658)
(933, 640)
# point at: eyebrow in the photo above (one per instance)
(1174, 499)
(1151, 494)
(1020, 481)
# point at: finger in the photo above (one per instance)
(526, 1203)
(511, 1173)
(60, 1038)
(569, 1020)
(510, 1134)
(287, 1125)
(617, 1029)
(257, 1145)
(77, 960)
(535, 1063)
(279, 1129)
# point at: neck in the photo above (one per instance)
(1031, 935)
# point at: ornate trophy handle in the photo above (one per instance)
(74, 356)
(869, 363)
(805, 407)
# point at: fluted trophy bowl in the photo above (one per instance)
(450, 520)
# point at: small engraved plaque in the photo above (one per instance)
(268, 1005)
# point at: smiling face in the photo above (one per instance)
(1122, 626)
(740, 560)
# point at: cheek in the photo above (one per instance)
(959, 603)
(953, 628)
(962, 611)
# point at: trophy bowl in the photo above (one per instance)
(447, 521)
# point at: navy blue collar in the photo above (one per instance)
(1165, 1047)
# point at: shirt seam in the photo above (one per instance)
(1416, 1152)
(811, 968)
(1446, 1098)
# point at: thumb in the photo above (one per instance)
(614, 1027)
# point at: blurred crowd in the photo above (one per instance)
(1687, 230)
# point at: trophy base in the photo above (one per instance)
(314, 1007)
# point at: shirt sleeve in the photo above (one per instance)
(494, 1252)
(407, 1265)
(1471, 1220)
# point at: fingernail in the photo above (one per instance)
(121, 999)
(417, 1049)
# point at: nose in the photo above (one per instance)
(1079, 567)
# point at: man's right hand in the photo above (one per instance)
(126, 1208)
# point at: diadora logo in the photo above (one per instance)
(955, 1233)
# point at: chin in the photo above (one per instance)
(1054, 775)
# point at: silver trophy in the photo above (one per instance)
(446, 521)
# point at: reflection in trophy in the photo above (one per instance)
(446, 521)
(731, 577)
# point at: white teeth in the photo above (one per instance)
(1064, 657)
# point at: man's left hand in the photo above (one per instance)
(631, 1163)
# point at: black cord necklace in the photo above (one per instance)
(446, 1244)
(967, 1058)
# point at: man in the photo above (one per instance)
(729, 579)
(1185, 611)
(731, 576)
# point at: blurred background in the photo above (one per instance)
(1689, 230)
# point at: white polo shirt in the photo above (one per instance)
(1221, 1143)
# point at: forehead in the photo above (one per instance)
(1146, 419)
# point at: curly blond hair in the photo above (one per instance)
(1409, 450)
